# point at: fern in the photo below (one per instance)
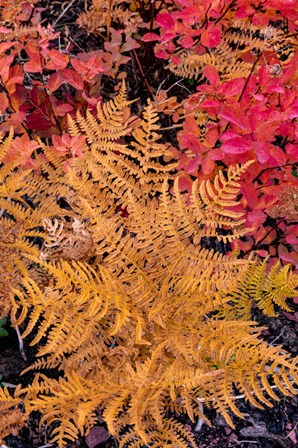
(136, 315)
(239, 38)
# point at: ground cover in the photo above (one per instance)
(222, 76)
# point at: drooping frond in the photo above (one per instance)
(12, 419)
(72, 406)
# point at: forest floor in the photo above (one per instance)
(269, 428)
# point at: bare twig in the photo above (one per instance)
(12, 386)
(21, 343)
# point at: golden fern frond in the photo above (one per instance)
(57, 308)
(137, 168)
(214, 203)
(191, 65)
(110, 124)
(5, 144)
(12, 419)
(246, 363)
(268, 287)
(102, 13)
(72, 407)
(259, 40)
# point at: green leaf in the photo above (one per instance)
(3, 332)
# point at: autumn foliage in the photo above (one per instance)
(222, 75)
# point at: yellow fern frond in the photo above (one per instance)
(12, 419)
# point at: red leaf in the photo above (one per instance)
(38, 122)
(244, 11)
(207, 165)
(237, 145)
(165, 20)
(215, 154)
(150, 37)
(4, 103)
(292, 239)
(260, 19)
(73, 78)
(63, 109)
(212, 75)
(256, 218)
(190, 125)
(58, 61)
(210, 38)
(192, 166)
(34, 65)
(278, 155)
(185, 184)
(5, 62)
(233, 87)
(262, 253)
(54, 82)
(262, 151)
(285, 255)
(234, 114)
(5, 46)
(250, 194)
(187, 42)
(210, 103)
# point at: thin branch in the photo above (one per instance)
(62, 13)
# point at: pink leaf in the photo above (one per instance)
(292, 239)
(237, 145)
